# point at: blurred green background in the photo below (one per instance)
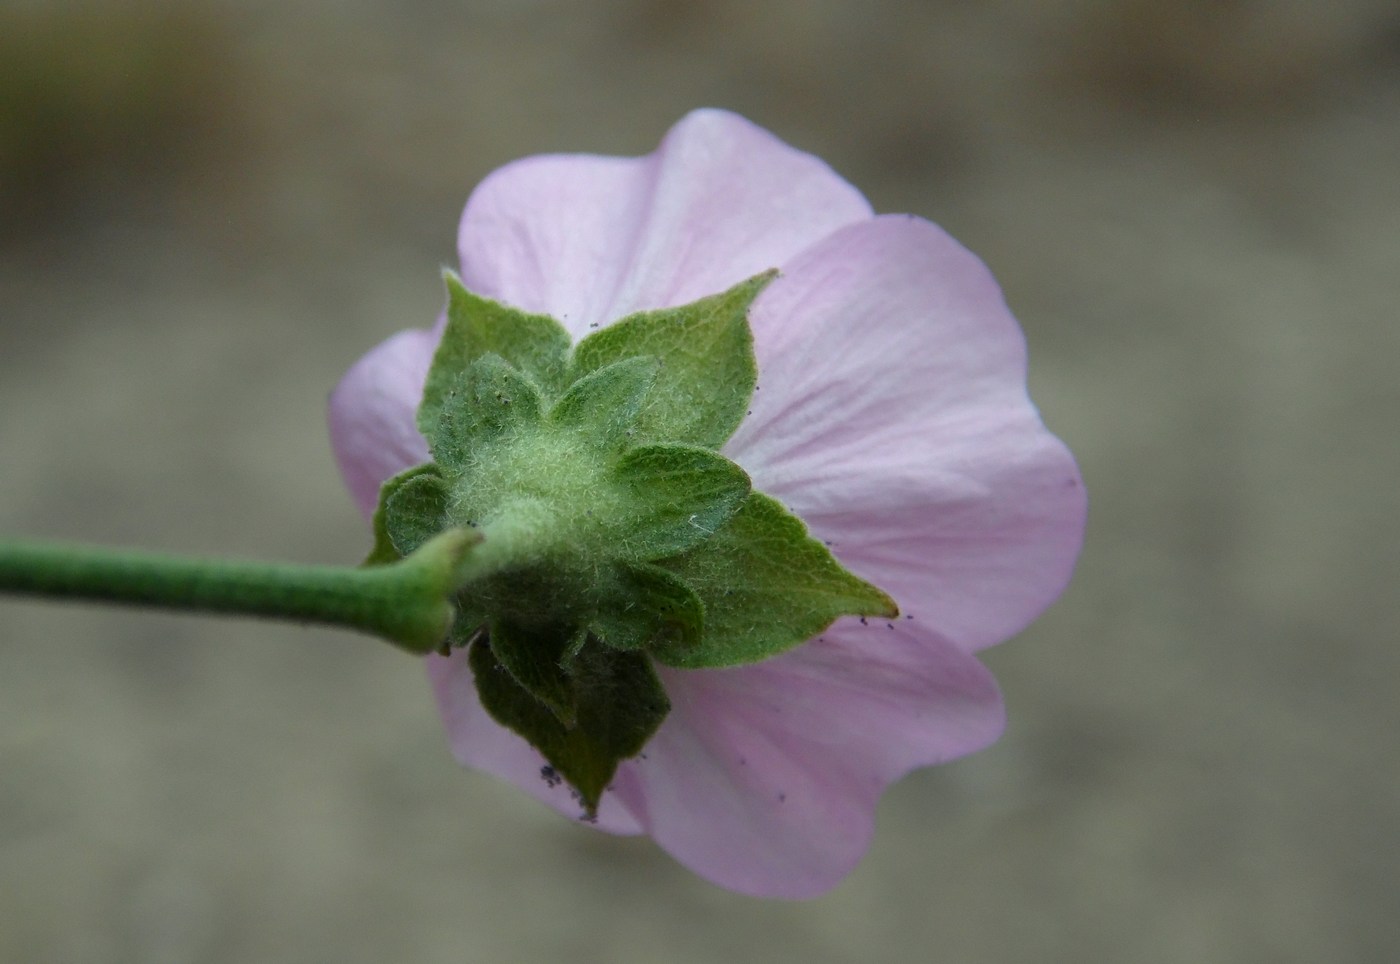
(208, 210)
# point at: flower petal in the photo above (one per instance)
(371, 414)
(590, 239)
(479, 741)
(892, 417)
(764, 779)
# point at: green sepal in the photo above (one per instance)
(535, 657)
(416, 511)
(387, 548)
(677, 496)
(535, 344)
(620, 703)
(767, 586)
(469, 625)
(491, 400)
(708, 371)
(604, 404)
(651, 607)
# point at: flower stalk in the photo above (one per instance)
(408, 603)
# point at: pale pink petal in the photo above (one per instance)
(372, 410)
(479, 741)
(764, 778)
(591, 239)
(892, 417)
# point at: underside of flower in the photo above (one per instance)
(613, 533)
(893, 433)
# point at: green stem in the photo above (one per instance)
(408, 602)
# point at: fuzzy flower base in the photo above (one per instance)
(891, 416)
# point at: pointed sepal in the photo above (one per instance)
(767, 586)
(618, 700)
(705, 352)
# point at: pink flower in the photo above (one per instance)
(891, 416)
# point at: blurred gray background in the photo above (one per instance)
(208, 210)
